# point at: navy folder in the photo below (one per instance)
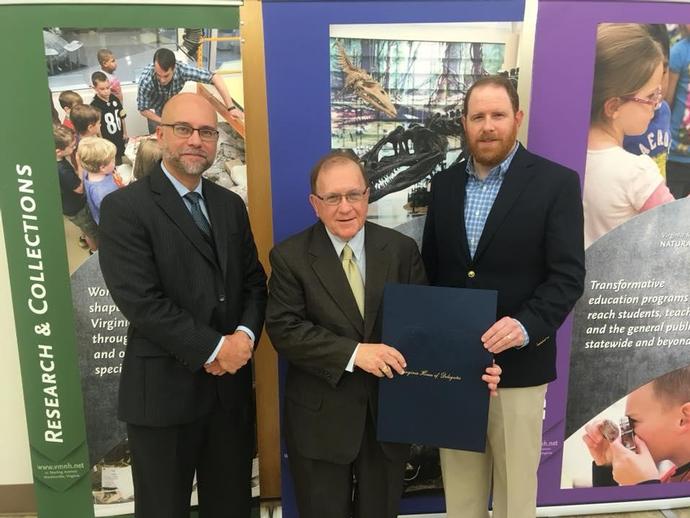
(441, 400)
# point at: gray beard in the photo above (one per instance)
(191, 169)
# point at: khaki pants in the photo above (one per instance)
(512, 456)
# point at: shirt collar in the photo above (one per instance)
(500, 170)
(179, 186)
(356, 243)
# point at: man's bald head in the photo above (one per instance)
(186, 103)
(185, 153)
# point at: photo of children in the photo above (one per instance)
(74, 205)
(97, 158)
(658, 413)
(112, 114)
(108, 64)
(626, 94)
(96, 88)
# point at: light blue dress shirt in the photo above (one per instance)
(480, 196)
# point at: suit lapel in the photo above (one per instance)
(458, 208)
(219, 224)
(329, 271)
(378, 262)
(515, 181)
(169, 200)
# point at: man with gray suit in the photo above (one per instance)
(324, 318)
(178, 256)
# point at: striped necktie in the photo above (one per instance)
(194, 198)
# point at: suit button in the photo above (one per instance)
(471, 274)
(221, 298)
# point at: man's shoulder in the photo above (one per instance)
(187, 70)
(146, 76)
(544, 167)
(451, 174)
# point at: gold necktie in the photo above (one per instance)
(353, 277)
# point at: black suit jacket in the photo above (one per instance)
(531, 251)
(313, 321)
(180, 297)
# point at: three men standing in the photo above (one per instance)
(511, 221)
(506, 220)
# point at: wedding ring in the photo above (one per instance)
(509, 336)
(385, 369)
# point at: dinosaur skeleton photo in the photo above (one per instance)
(396, 104)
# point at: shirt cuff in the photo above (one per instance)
(215, 351)
(524, 332)
(220, 342)
(351, 364)
(249, 332)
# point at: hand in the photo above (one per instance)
(504, 334)
(380, 360)
(492, 378)
(215, 368)
(235, 352)
(598, 446)
(630, 467)
(236, 113)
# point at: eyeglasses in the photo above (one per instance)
(185, 131)
(654, 99)
(333, 198)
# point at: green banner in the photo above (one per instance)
(36, 252)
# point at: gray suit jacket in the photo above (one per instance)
(313, 321)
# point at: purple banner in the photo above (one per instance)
(560, 118)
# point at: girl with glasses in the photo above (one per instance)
(656, 139)
(627, 90)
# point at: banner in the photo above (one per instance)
(630, 328)
(421, 57)
(71, 337)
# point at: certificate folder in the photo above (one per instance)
(441, 400)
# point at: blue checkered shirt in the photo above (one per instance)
(151, 95)
(480, 196)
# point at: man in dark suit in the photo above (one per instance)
(507, 220)
(178, 256)
(324, 317)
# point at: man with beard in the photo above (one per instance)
(507, 220)
(166, 77)
(178, 256)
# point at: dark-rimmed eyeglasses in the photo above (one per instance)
(333, 198)
(186, 131)
(654, 99)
